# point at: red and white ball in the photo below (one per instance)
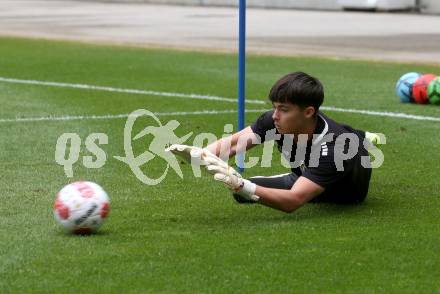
(81, 207)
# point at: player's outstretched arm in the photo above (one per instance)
(288, 201)
(227, 147)
(224, 147)
(285, 200)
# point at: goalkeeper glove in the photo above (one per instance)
(214, 165)
(190, 154)
(232, 179)
(195, 155)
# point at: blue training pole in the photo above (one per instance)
(241, 73)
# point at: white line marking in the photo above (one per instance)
(129, 91)
(181, 95)
(383, 114)
(118, 116)
(206, 112)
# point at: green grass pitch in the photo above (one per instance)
(186, 236)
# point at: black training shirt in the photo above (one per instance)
(321, 159)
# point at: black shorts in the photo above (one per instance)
(350, 191)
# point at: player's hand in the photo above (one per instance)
(186, 152)
(193, 154)
(214, 165)
(233, 180)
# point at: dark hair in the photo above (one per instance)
(298, 88)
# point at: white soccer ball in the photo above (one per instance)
(81, 207)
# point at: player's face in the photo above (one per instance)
(288, 118)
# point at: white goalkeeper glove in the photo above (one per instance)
(214, 165)
(191, 154)
(232, 179)
(196, 155)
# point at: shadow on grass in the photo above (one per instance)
(98, 234)
(252, 216)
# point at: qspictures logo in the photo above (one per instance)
(68, 149)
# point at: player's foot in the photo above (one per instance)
(373, 138)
